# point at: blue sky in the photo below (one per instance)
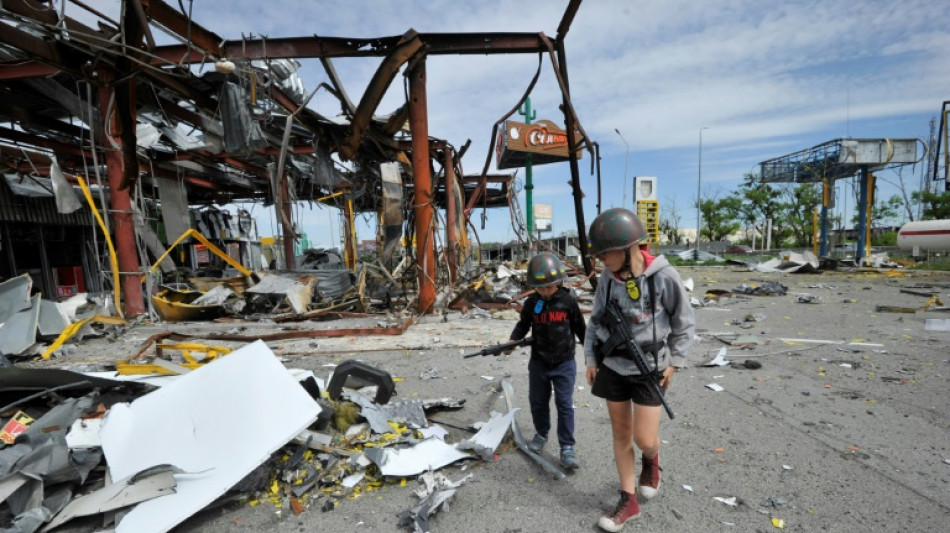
(765, 78)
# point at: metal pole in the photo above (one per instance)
(863, 215)
(529, 115)
(422, 182)
(349, 232)
(572, 159)
(699, 197)
(626, 163)
(287, 230)
(120, 204)
(451, 238)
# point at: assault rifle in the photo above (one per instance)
(497, 350)
(617, 324)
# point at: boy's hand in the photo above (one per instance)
(667, 378)
(591, 375)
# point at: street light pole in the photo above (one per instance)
(699, 197)
(626, 162)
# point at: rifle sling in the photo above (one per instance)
(613, 346)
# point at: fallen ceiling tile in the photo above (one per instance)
(251, 407)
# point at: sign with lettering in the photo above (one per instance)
(543, 139)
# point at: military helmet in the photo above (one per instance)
(545, 269)
(615, 229)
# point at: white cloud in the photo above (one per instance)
(766, 78)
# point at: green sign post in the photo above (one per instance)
(529, 115)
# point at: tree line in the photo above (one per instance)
(790, 207)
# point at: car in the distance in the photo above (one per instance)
(739, 249)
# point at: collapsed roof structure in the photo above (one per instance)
(108, 104)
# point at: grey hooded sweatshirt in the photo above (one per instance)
(673, 316)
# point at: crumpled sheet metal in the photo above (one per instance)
(489, 436)
(800, 263)
(18, 332)
(41, 458)
(379, 416)
(430, 454)
(436, 493)
(298, 294)
(52, 321)
(769, 288)
(152, 483)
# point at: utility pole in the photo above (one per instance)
(626, 163)
(699, 194)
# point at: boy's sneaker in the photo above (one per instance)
(568, 459)
(650, 477)
(537, 443)
(627, 509)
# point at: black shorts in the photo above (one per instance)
(613, 387)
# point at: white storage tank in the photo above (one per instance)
(929, 235)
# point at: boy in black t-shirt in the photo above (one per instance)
(554, 318)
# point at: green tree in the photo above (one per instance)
(884, 213)
(936, 204)
(758, 202)
(796, 226)
(720, 217)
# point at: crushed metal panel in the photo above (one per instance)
(53, 319)
(242, 134)
(14, 295)
(392, 218)
(174, 200)
(29, 186)
(67, 200)
(489, 436)
(137, 488)
(298, 294)
(379, 416)
(433, 496)
(169, 427)
(430, 454)
(18, 332)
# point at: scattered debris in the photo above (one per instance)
(769, 288)
(730, 501)
(937, 324)
(718, 360)
(436, 493)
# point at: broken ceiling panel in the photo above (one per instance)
(218, 441)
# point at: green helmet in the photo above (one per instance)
(615, 229)
(545, 269)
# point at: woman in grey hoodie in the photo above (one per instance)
(651, 296)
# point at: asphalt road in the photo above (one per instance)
(849, 435)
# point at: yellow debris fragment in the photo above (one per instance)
(778, 522)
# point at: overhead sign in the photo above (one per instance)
(543, 139)
(543, 211)
(542, 224)
(644, 188)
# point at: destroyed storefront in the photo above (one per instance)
(137, 151)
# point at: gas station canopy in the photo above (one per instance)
(840, 158)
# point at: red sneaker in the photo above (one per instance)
(650, 477)
(627, 509)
